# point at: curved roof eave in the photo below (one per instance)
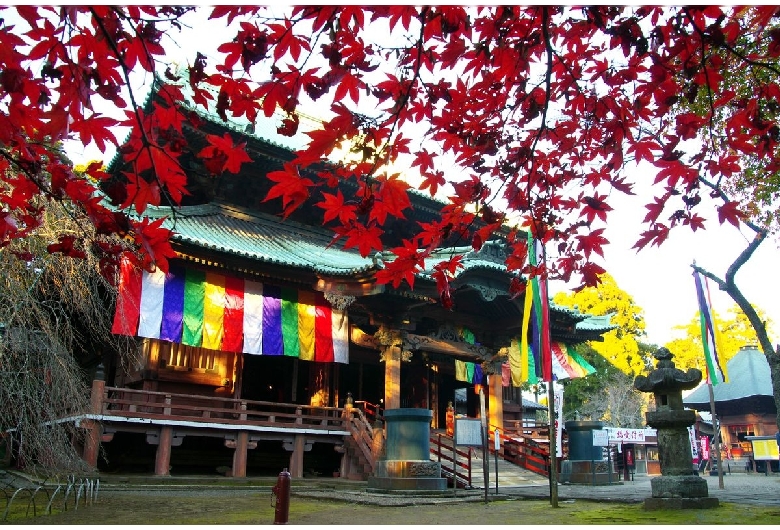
(748, 374)
(262, 238)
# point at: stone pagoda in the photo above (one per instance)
(678, 486)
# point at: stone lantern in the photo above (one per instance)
(678, 486)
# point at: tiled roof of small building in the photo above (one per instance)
(748, 374)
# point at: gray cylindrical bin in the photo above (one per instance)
(581, 440)
(408, 434)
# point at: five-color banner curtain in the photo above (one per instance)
(218, 312)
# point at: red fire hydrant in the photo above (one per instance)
(280, 497)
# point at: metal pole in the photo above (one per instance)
(553, 445)
(454, 466)
(497, 448)
(716, 438)
(485, 454)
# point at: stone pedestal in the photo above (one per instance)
(679, 492)
(406, 464)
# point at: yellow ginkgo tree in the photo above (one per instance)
(735, 331)
(621, 346)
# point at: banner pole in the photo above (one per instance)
(553, 446)
(716, 437)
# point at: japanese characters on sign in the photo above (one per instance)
(624, 435)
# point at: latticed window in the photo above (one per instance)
(190, 357)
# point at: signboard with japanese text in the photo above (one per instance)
(624, 435)
(468, 431)
(600, 438)
(764, 448)
(705, 448)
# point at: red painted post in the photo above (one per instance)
(280, 498)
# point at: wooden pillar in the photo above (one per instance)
(242, 442)
(240, 454)
(296, 458)
(392, 355)
(162, 462)
(495, 403)
(92, 442)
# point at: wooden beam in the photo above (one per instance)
(423, 343)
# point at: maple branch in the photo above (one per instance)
(547, 96)
(709, 95)
(728, 285)
(725, 45)
(547, 76)
(725, 198)
(147, 142)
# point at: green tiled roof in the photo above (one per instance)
(261, 237)
(269, 239)
(491, 256)
(749, 375)
(595, 323)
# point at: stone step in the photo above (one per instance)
(509, 474)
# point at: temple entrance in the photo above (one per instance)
(271, 378)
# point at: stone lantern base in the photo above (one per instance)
(679, 492)
(407, 475)
(407, 463)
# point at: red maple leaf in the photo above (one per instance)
(591, 273)
(592, 242)
(96, 129)
(595, 207)
(654, 236)
(408, 262)
(335, 207)
(67, 245)
(432, 181)
(390, 198)
(290, 187)
(643, 150)
(365, 238)
(729, 211)
(154, 242)
(140, 192)
(223, 154)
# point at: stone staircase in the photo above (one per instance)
(509, 474)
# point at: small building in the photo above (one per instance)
(744, 406)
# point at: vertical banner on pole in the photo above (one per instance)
(694, 445)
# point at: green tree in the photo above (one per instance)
(621, 346)
(735, 331)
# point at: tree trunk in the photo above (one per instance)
(729, 287)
